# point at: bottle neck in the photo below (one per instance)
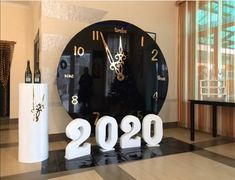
(28, 65)
(37, 67)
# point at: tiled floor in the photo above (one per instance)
(88, 175)
(214, 159)
(181, 166)
(227, 150)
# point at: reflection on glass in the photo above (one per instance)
(85, 91)
(86, 84)
(215, 55)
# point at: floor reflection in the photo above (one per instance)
(56, 161)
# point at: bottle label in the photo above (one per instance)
(37, 79)
(28, 79)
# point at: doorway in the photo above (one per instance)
(5, 100)
(6, 53)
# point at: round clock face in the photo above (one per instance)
(112, 68)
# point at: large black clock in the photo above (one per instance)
(112, 68)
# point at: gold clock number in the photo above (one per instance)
(95, 35)
(155, 53)
(140, 114)
(79, 51)
(97, 117)
(74, 100)
(142, 41)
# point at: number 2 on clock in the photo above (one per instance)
(155, 53)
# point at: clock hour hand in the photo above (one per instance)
(109, 55)
(102, 37)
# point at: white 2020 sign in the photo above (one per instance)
(79, 131)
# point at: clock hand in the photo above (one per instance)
(120, 56)
(120, 44)
(115, 66)
(109, 55)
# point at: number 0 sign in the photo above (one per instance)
(79, 131)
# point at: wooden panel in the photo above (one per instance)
(227, 121)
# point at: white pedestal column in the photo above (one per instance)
(33, 122)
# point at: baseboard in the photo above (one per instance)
(6, 120)
(168, 125)
(58, 137)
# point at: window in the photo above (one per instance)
(207, 62)
(215, 48)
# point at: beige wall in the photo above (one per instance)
(59, 21)
(36, 15)
(16, 25)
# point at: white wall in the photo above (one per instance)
(16, 25)
(60, 21)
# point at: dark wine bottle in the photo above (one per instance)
(37, 74)
(28, 73)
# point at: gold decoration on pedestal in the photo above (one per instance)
(37, 108)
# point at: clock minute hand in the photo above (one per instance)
(120, 56)
(120, 45)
